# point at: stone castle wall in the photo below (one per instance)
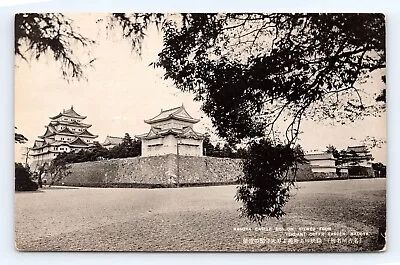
(167, 170)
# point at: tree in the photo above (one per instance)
(227, 151)
(380, 169)
(250, 70)
(208, 147)
(241, 152)
(23, 181)
(264, 187)
(99, 152)
(273, 64)
(58, 168)
(332, 150)
(41, 170)
(336, 154)
(26, 155)
(217, 150)
(128, 148)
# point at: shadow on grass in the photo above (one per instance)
(46, 188)
(60, 188)
(29, 191)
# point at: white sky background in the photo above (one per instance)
(122, 90)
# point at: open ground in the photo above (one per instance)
(199, 219)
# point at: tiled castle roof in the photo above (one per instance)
(76, 142)
(112, 140)
(178, 113)
(187, 132)
(51, 130)
(69, 113)
(357, 149)
(70, 123)
(319, 156)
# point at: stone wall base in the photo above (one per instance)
(164, 171)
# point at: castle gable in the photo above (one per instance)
(66, 131)
(78, 142)
(50, 130)
(190, 133)
(178, 113)
(87, 133)
(153, 132)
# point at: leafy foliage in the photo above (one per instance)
(264, 187)
(270, 64)
(53, 33)
(226, 151)
(23, 181)
(380, 169)
(128, 148)
(19, 138)
(58, 169)
(134, 26)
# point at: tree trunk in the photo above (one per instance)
(40, 183)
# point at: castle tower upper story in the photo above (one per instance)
(172, 132)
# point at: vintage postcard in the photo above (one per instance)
(223, 132)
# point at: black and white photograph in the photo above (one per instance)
(200, 132)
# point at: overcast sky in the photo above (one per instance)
(122, 90)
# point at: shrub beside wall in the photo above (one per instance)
(23, 180)
(361, 172)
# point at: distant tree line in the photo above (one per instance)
(222, 151)
(128, 148)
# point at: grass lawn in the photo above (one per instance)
(199, 219)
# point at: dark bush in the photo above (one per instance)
(361, 171)
(23, 180)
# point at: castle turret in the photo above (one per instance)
(172, 132)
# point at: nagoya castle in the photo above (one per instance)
(65, 133)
